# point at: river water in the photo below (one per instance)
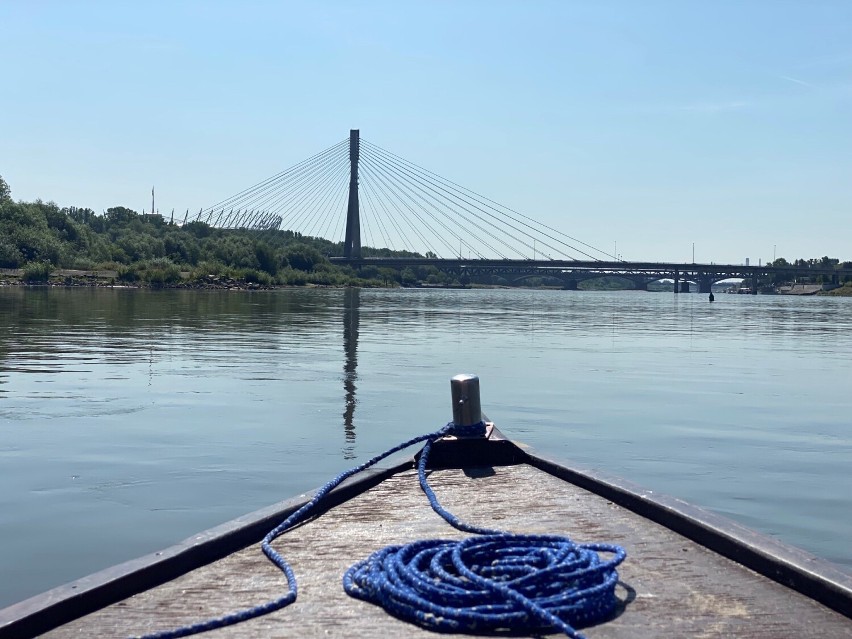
(131, 419)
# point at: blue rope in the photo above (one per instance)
(495, 581)
(498, 581)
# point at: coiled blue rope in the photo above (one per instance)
(497, 581)
(491, 583)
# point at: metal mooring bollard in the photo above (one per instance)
(467, 411)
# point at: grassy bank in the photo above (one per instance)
(142, 276)
(843, 291)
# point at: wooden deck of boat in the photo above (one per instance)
(671, 586)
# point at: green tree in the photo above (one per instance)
(5, 191)
(10, 256)
(369, 272)
(302, 257)
(266, 258)
(120, 216)
(388, 275)
(407, 276)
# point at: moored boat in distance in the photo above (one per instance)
(687, 572)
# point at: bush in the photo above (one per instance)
(292, 277)
(209, 267)
(129, 274)
(107, 266)
(82, 263)
(253, 276)
(302, 257)
(37, 271)
(161, 271)
(10, 256)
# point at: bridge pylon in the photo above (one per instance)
(352, 243)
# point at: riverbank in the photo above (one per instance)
(842, 291)
(110, 279)
(98, 281)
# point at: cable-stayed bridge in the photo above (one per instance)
(384, 210)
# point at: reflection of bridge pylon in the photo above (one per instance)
(351, 313)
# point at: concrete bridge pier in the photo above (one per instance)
(569, 284)
(676, 282)
(684, 286)
(705, 284)
(640, 285)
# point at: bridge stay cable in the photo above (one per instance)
(380, 186)
(457, 205)
(493, 205)
(334, 199)
(300, 211)
(420, 193)
(414, 220)
(371, 188)
(366, 210)
(433, 199)
(287, 200)
(375, 198)
(489, 202)
(280, 198)
(263, 196)
(387, 237)
(379, 183)
(368, 189)
(466, 204)
(273, 195)
(406, 201)
(418, 196)
(322, 213)
(234, 199)
(318, 201)
(389, 181)
(401, 202)
(369, 208)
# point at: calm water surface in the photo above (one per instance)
(131, 419)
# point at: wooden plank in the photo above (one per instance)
(814, 577)
(671, 586)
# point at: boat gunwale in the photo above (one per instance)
(73, 600)
(812, 577)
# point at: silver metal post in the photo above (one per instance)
(467, 410)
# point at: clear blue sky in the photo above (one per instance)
(649, 124)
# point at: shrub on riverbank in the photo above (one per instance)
(37, 272)
(161, 272)
(843, 291)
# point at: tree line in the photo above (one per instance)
(41, 236)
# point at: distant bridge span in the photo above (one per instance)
(573, 270)
(397, 202)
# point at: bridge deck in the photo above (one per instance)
(671, 586)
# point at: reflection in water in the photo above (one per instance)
(351, 310)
